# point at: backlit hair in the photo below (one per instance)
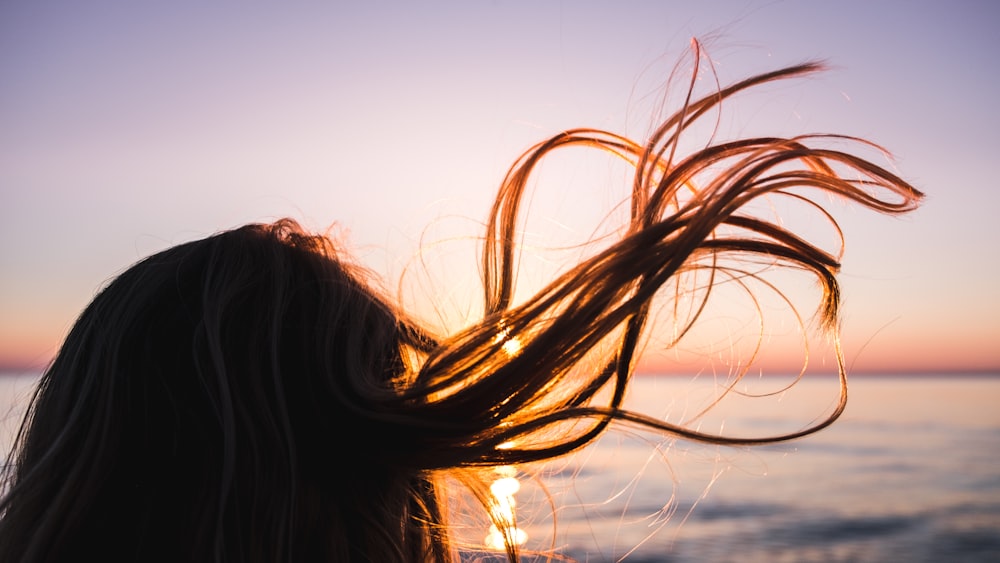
(251, 397)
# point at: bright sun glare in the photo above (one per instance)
(511, 345)
(506, 484)
(502, 508)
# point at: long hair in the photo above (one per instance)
(251, 397)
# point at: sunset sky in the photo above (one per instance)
(128, 127)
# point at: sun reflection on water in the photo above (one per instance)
(502, 505)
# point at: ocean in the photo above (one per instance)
(911, 472)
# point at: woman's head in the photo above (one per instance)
(224, 394)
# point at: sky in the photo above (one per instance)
(126, 128)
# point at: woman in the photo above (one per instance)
(250, 397)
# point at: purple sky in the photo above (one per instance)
(125, 129)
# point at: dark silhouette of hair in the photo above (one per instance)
(250, 397)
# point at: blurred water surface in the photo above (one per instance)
(911, 472)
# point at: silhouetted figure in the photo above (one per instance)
(251, 397)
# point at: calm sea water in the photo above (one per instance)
(911, 472)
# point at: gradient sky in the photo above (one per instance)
(126, 128)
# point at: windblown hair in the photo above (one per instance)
(251, 397)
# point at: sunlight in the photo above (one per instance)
(502, 504)
(511, 345)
